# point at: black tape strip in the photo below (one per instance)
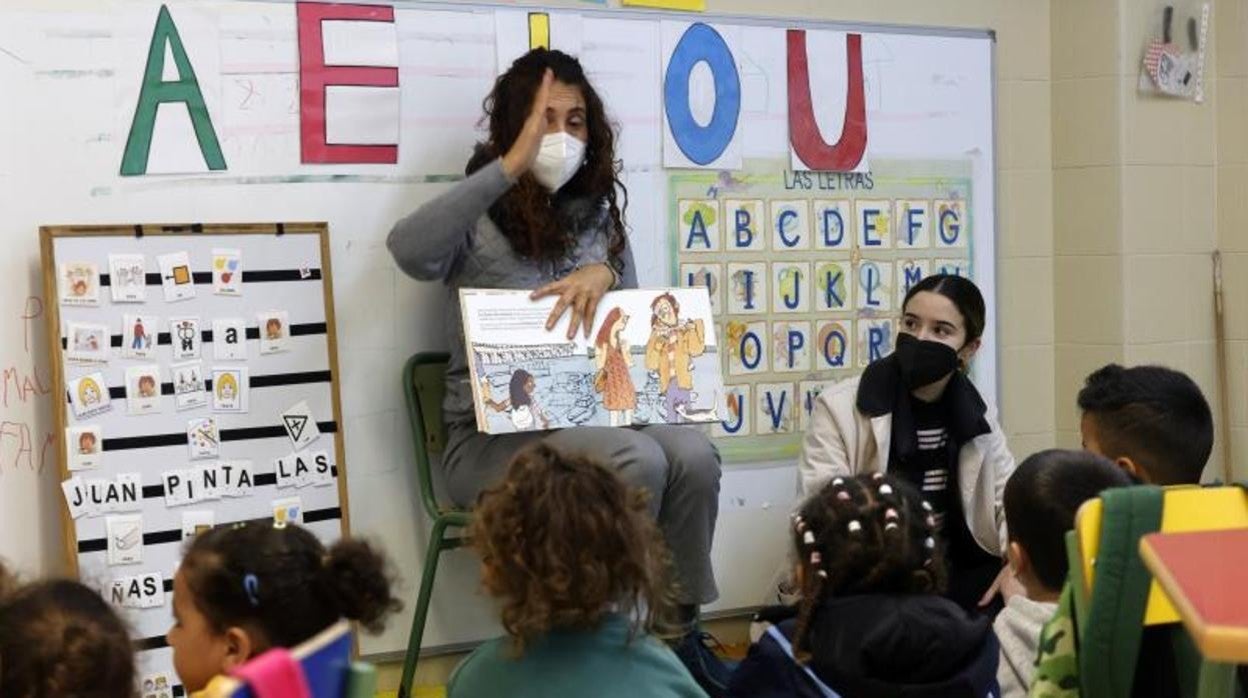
(304, 329)
(96, 545)
(269, 381)
(179, 439)
(249, 277)
(260, 480)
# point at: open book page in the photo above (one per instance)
(651, 357)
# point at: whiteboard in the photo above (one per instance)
(72, 68)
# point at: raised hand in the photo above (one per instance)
(523, 151)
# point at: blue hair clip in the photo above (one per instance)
(251, 585)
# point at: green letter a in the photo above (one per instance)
(156, 92)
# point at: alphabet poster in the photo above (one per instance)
(651, 358)
(166, 434)
(807, 272)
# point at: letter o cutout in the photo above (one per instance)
(702, 144)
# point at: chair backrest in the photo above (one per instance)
(424, 386)
(1184, 508)
(325, 663)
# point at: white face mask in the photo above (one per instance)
(558, 159)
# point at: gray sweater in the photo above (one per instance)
(1018, 628)
(452, 239)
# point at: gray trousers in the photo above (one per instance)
(679, 466)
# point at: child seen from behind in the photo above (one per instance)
(59, 639)
(1041, 500)
(578, 567)
(871, 621)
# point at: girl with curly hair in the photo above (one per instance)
(59, 639)
(579, 571)
(539, 210)
(871, 620)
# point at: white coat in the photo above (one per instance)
(842, 441)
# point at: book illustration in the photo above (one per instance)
(651, 358)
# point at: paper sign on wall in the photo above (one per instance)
(89, 396)
(202, 438)
(188, 386)
(227, 272)
(85, 447)
(127, 278)
(300, 425)
(185, 337)
(274, 331)
(229, 339)
(176, 277)
(87, 343)
(125, 539)
(143, 389)
(229, 389)
(79, 283)
(138, 339)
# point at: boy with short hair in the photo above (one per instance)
(1152, 421)
(1041, 499)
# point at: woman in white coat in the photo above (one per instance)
(916, 415)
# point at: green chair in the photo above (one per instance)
(424, 384)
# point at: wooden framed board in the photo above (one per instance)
(167, 425)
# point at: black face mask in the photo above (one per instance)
(923, 361)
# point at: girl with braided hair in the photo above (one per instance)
(872, 622)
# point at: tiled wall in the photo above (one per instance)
(1231, 175)
(1135, 201)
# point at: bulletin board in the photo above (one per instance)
(199, 372)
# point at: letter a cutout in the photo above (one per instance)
(814, 152)
(156, 92)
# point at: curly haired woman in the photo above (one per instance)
(538, 210)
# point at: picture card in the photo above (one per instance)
(138, 591)
(79, 283)
(125, 539)
(188, 385)
(157, 686)
(303, 469)
(287, 510)
(176, 277)
(85, 446)
(300, 425)
(229, 390)
(127, 278)
(202, 438)
(139, 334)
(185, 338)
(143, 389)
(274, 331)
(227, 272)
(229, 339)
(88, 395)
(197, 522)
(87, 343)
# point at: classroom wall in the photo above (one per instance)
(1231, 175)
(1135, 203)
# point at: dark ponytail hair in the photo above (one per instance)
(847, 543)
(59, 638)
(963, 293)
(284, 583)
